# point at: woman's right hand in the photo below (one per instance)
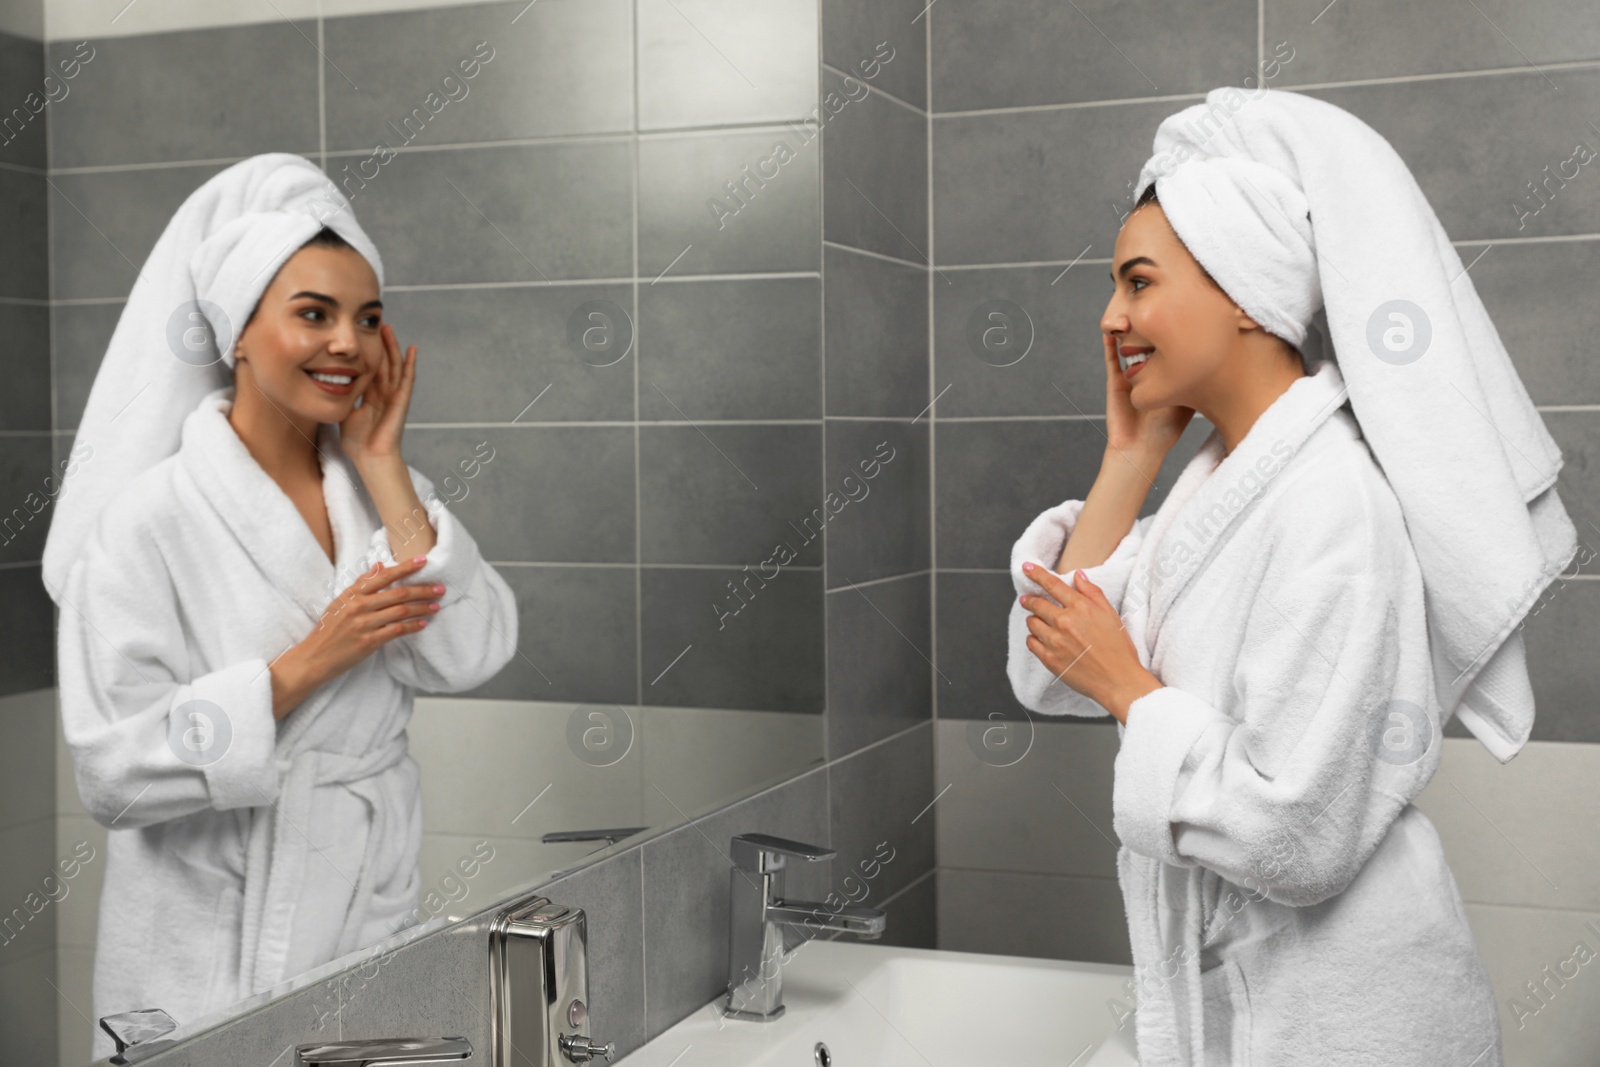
(1129, 431)
(373, 611)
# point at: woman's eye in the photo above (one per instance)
(311, 311)
(373, 321)
(1135, 282)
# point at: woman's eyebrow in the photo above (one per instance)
(1128, 265)
(331, 302)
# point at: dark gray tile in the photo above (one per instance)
(1391, 38)
(28, 481)
(875, 171)
(707, 646)
(576, 634)
(877, 487)
(876, 335)
(80, 335)
(686, 875)
(730, 494)
(157, 98)
(105, 223)
(1539, 296)
(485, 355)
(986, 498)
(30, 850)
(611, 895)
(740, 349)
(479, 72)
(25, 405)
(882, 824)
(1009, 53)
(728, 203)
(560, 494)
(971, 625)
(1043, 916)
(1524, 129)
(884, 44)
(24, 270)
(913, 916)
(28, 1007)
(719, 62)
(28, 792)
(1021, 341)
(880, 653)
(1038, 185)
(516, 213)
(28, 96)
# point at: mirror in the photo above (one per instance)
(599, 223)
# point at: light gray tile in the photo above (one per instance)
(876, 335)
(516, 213)
(1390, 38)
(506, 506)
(1043, 809)
(880, 650)
(1518, 945)
(1008, 53)
(28, 1007)
(875, 171)
(576, 630)
(702, 649)
(479, 72)
(485, 355)
(878, 475)
(30, 854)
(157, 97)
(719, 62)
(740, 349)
(883, 43)
(1038, 185)
(686, 875)
(27, 760)
(1039, 915)
(105, 223)
(1512, 127)
(1524, 832)
(730, 494)
(883, 825)
(728, 202)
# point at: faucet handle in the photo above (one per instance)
(764, 852)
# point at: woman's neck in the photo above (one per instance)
(1236, 399)
(280, 442)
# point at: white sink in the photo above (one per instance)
(880, 1006)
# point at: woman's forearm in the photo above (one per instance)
(1110, 509)
(389, 484)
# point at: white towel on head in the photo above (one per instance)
(173, 343)
(1437, 397)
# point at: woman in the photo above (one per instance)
(238, 647)
(1267, 641)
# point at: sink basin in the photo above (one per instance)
(881, 1006)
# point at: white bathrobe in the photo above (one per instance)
(1287, 905)
(300, 843)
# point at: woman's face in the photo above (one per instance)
(320, 314)
(1165, 304)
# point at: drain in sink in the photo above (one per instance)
(821, 1054)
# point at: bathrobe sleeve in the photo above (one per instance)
(1283, 790)
(1041, 543)
(474, 632)
(130, 706)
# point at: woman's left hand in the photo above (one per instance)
(1079, 637)
(372, 431)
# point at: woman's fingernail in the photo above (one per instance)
(433, 607)
(419, 559)
(1027, 566)
(438, 589)
(1023, 599)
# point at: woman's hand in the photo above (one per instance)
(1129, 431)
(372, 431)
(370, 613)
(1079, 637)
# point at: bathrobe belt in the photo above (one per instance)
(278, 848)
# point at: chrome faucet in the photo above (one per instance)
(758, 913)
